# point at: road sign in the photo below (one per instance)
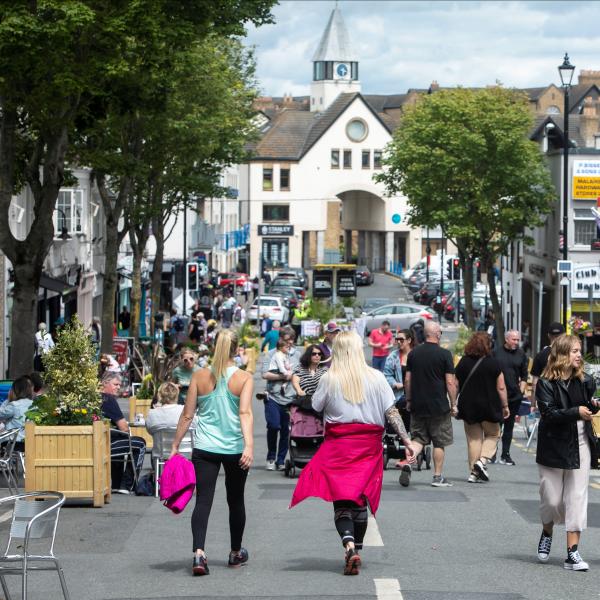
(564, 266)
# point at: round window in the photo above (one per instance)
(356, 130)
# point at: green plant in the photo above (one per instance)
(71, 379)
(464, 335)
(146, 391)
(321, 310)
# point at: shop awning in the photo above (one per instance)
(57, 285)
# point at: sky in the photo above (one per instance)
(409, 44)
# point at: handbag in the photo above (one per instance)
(468, 378)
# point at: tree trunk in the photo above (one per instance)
(468, 287)
(158, 229)
(138, 237)
(491, 276)
(109, 286)
(24, 317)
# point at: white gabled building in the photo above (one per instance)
(308, 192)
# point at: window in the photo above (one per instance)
(335, 159)
(329, 70)
(553, 110)
(585, 227)
(354, 71)
(268, 179)
(357, 130)
(366, 159)
(275, 253)
(347, 159)
(284, 179)
(276, 212)
(69, 211)
(377, 159)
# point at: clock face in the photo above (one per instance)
(342, 70)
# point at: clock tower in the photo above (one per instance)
(335, 65)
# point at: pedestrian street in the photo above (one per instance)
(470, 541)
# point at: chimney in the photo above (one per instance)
(435, 86)
(287, 99)
(588, 122)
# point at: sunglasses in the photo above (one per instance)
(400, 339)
(316, 354)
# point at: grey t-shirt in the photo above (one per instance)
(378, 397)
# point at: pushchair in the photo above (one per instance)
(306, 435)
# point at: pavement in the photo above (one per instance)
(467, 542)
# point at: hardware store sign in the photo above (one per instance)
(586, 179)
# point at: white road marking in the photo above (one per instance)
(372, 537)
(6, 516)
(388, 589)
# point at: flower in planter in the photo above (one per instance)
(71, 381)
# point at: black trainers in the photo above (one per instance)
(544, 546)
(353, 562)
(574, 561)
(480, 470)
(200, 565)
(507, 460)
(237, 559)
(405, 475)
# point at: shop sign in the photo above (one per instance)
(583, 278)
(537, 270)
(322, 283)
(586, 179)
(275, 229)
(346, 283)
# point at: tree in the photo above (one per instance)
(463, 159)
(61, 64)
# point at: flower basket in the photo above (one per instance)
(72, 459)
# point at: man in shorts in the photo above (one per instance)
(429, 383)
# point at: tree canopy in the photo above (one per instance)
(464, 161)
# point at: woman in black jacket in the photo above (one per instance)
(565, 450)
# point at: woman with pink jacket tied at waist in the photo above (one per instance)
(347, 469)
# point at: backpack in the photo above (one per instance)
(145, 486)
(178, 325)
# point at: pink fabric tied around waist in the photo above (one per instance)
(347, 466)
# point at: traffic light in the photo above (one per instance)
(179, 273)
(449, 271)
(456, 269)
(192, 277)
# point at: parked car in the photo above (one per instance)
(428, 293)
(419, 278)
(224, 279)
(297, 272)
(272, 306)
(370, 304)
(364, 275)
(479, 299)
(289, 282)
(288, 294)
(400, 316)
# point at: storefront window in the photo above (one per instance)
(275, 253)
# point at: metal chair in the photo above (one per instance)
(125, 451)
(161, 450)
(8, 466)
(35, 517)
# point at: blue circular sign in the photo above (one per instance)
(396, 218)
(342, 70)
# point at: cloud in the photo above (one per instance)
(405, 45)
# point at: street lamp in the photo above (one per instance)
(565, 71)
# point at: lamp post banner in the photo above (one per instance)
(586, 179)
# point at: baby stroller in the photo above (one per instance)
(306, 435)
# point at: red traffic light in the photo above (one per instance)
(192, 268)
(456, 262)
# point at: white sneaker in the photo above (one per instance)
(574, 561)
(440, 481)
(472, 478)
(270, 465)
(480, 470)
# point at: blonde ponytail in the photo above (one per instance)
(225, 349)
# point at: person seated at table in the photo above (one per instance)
(12, 412)
(166, 413)
(122, 479)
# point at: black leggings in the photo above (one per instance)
(207, 465)
(350, 521)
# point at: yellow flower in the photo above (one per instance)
(77, 410)
(84, 411)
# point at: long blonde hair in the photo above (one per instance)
(349, 368)
(559, 361)
(225, 349)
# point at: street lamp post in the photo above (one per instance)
(565, 71)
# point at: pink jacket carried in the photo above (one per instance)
(177, 483)
(347, 466)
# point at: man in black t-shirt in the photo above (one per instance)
(541, 358)
(429, 383)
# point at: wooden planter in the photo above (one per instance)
(72, 459)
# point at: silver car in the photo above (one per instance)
(400, 316)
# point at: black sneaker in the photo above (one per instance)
(405, 476)
(200, 565)
(544, 546)
(237, 559)
(353, 562)
(507, 460)
(574, 561)
(480, 470)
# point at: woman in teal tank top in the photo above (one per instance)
(221, 399)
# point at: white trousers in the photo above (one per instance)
(564, 492)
